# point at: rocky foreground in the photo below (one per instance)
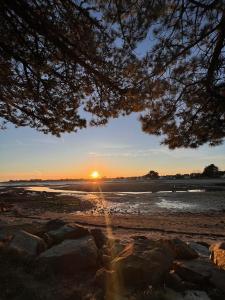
(58, 260)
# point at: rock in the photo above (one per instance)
(48, 240)
(203, 243)
(4, 235)
(201, 272)
(193, 295)
(180, 249)
(99, 237)
(218, 254)
(117, 296)
(8, 231)
(114, 247)
(54, 224)
(220, 245)
(169, 294)
(2, 246)
(196, 271)
(71, 255)
(67, 232)
(2, 223)
(75, 295)
(104, 277)
(106, 261)
(139, 237)
(27, 243)
(202, 251)
(36, 228)
(217, 279)
(174, 281)
(142, 263)
(189, 286)
(109, 282)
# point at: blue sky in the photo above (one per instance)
(118, 149)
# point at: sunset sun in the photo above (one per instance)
(95, 175)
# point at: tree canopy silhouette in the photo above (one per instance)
(211, 171)
(61, 57)
(152, 175)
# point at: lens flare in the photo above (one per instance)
(114, 283)
(95, 175)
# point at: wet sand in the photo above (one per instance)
(145, 185)
(206, 223)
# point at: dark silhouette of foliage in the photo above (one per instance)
(61, 57)
(211, 171)
(179, 176)
(152, 175)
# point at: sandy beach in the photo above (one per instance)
(191, 210)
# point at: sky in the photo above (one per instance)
(117, 149)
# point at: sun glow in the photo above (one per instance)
(95, 175)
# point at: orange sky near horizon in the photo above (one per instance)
(119, 149)
(103, 172)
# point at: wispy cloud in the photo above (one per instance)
(174, 154)
(116, 146)
(47, 141)
(130, 153)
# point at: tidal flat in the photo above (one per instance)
(190, 209)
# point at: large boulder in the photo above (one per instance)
(218, 254)
(219, 245)
(114, 247)
(106, 261)
(4, 235)
(174, 281)
(201, 272)
(7, 232)
(71, 255)
(104, 278)
(196, 271)
(67, 232)
(169, 294)
(217, 279)
(36, 228)
(202, 250)
(111, 286)
(27, 243)
(187, 295)
(180, 249)
(99, 237)
(54, 224)
(142, 263)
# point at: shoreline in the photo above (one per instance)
(217, 184)
(24, 206)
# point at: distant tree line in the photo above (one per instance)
(210, 171)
